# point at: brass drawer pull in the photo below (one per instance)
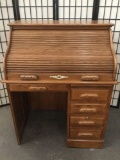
(90, 78)
(59, 77)
(28, 77)
(38, 88)
(86, 123)
(87, 110)
(85, 134)
(87, 96)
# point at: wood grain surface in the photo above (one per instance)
(68, 65)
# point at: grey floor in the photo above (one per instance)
(45, 138)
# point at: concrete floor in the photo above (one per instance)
(45, 139)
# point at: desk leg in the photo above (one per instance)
(19, 103)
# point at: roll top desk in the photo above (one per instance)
(75, 57)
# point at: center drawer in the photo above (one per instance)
(38, 87)
(90, 94)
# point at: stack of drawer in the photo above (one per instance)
(87, 115)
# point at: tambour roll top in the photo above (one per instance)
(60, 47)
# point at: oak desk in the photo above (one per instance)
(73, 60)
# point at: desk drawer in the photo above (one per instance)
(85, 134)
(77, 121)
(88, 109)
(37, 87)
(90, 94)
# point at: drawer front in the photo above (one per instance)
(53, 77)
(86, 121)
(85, 134)
(88, 109)
(90, 94)
(37, 87)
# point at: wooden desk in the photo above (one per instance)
(71, 65)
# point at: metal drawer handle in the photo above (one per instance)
(59, 77)
(86, 123)
(90, 78)
(28, 77)
(38, 88)
(93, 110)
(85, 134)
(87, 96)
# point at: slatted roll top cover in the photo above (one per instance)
(75, 47)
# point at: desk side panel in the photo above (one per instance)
(20, 108)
